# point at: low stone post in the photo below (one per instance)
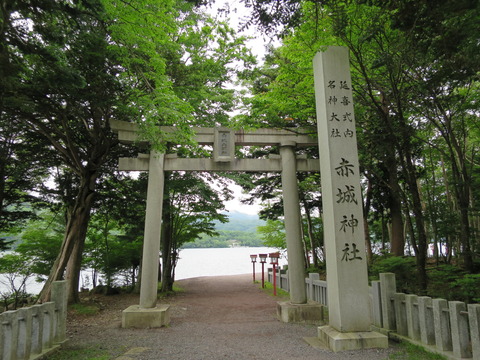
(9, 324)
(48, 310)
(459, 326)
(24, 333)
(2, 336)
(413, 323)
(425, 313)
(441, 319)
(59, 296)
(283, 278)
(474, 319)
(388, 290)
(37, 329)
(311, 289)
(377, 304)
(400, 313)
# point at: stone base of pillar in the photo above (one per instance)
(136, 317)
(310, 313)
(344, 341)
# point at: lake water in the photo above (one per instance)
(222, 261)
(198, 262)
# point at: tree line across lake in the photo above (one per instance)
(241, 230)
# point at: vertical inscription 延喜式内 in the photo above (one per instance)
(342, 128)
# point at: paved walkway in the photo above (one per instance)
(225, 318)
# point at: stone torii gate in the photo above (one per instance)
(348, 298)
(224, 141)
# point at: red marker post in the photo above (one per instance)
(263, 260)
(253, 258)
(274, 261)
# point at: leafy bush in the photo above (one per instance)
(316, 269)
(468, 288)
(403, 268)
(442, 280)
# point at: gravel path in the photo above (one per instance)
(214, 318)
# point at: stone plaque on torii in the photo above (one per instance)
(348, 299)
(224, 141)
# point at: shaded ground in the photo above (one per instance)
(214, 318)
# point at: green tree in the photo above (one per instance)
(114, 238)
(273, 234)
(415, 71)
(190, 208)
(69, 92)
(16, 271)
(381, 93)
(40, 242)
(78, 65)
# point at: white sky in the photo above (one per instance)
(235, 205)
(238, 14)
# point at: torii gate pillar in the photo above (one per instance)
(293, 221)
(348, 299)
(147, 313)
(297, 310)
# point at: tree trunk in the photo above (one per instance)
(421, 244)
(310, 234)
(384, 231)
(397, 238)
(366, 210)
(166, 241)
(70, 255)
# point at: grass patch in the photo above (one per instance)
(410, 351)
(269, 290)
(81, 354)
(175, 291)
(85, 309)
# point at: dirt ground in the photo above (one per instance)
(212, 318)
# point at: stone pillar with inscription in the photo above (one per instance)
(348, 298)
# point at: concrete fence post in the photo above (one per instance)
(413, 321)
(9, 323)
(441, 320)
(425, 313)
(459, 326)
(388, 290)
(24, 333)
(400, 313)
(37, 329)
(284, 280)
(59, 297)
(310, 288)
(48, 324)
(324, 291)
(474, 319)
(376, 304)
(3, 335)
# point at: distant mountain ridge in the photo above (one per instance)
(240, 222)
(241, 230)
